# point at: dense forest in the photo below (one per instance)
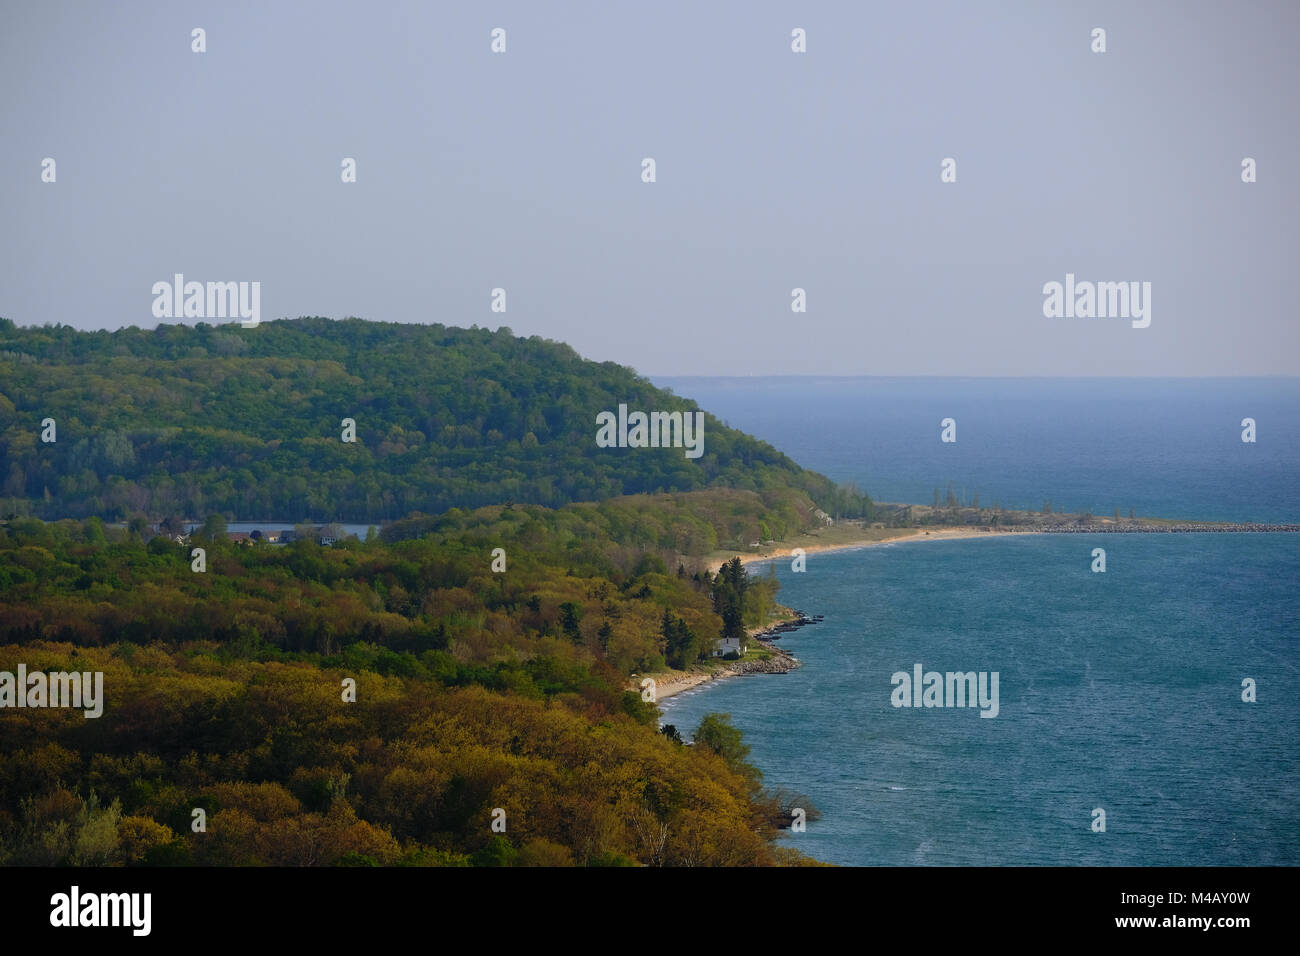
(578, 584)
(190, 420)
(476, 691)
(452, 691)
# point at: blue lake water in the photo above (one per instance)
(1163, 447)
(1120, 691)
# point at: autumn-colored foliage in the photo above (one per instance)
(475, 692)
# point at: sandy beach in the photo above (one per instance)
(667, 685)
(903, 534)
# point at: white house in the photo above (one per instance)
(729, 645)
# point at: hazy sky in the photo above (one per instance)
(775, 170)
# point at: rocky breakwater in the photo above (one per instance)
(781, 662)
(775, 632)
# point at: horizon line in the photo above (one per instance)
(860, 375)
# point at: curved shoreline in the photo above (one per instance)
(950, 533)
(675, 682)
(671, 683)
(909, 534)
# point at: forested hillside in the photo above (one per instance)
(187, 421)
(522, 577)
(476, 690)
